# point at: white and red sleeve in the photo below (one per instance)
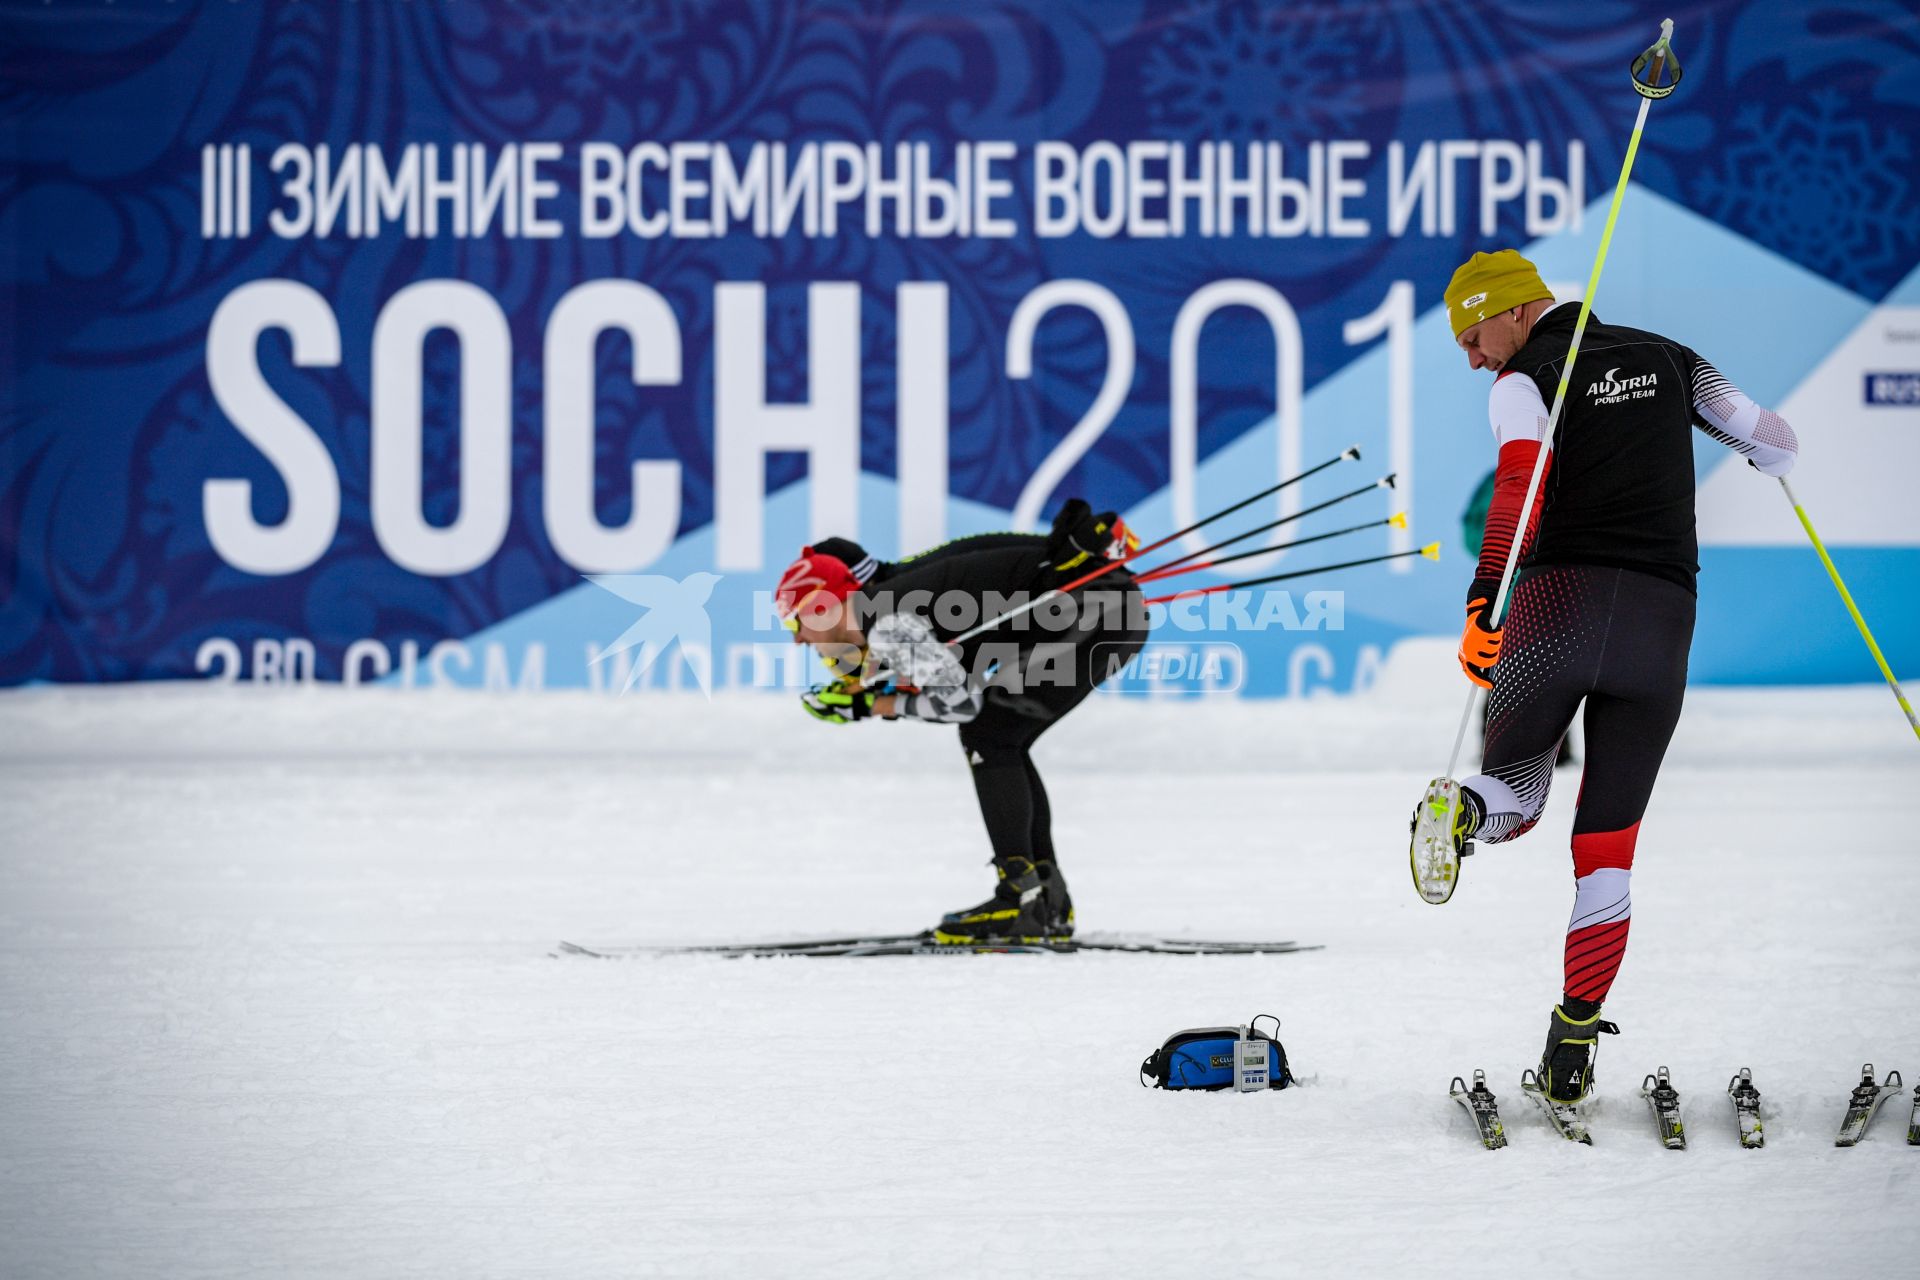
(1519, 418)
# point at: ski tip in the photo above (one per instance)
(1431, 551)
(1387, 480)
(1398, 519)
(1352, 453)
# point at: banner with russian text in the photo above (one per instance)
(518, 345)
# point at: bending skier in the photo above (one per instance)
(1602, 605)
(885, 628)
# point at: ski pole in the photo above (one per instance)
(1431, 551)
(1660, 54)
(1397, 520)
(1352, 451)
(1384, 482)
(1846, 597)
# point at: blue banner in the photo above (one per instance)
(412, 341)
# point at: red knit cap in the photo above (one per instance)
(813, 575)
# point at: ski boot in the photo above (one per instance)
(1030, 905)
(1059, 901)
(1566, 1065)
(1443, 825)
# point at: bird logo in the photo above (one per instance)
(674, 610)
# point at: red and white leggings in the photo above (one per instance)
(1618, 641)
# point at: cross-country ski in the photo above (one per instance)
(928, 944)
(1663, 1100)
(1565, 1118)
(1864, 1103)
(1745, 1097)
(1484, 1109)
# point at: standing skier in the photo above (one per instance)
(1602, 606)
(886, 627)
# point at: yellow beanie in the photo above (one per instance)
(1490, 283)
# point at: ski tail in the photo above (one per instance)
(1746, 1109)
(1864, 1103)
(1664, 1101)
(1483, 1107)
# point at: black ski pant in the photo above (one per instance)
(1618, 640)
(998, 741)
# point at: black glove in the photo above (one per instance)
(1080, 534)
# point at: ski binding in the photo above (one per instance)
(1746, 1109)
(1664, 1100)
(1484, 1108)
(1434, 859)
(1865, 1103)
(1565, 1117)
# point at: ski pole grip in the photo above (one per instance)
(1661, 57)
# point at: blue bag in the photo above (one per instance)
(1245, 1059)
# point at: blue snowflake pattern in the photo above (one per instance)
(607, 68)
(603, 44)
(1820, 185)
(1242, 73)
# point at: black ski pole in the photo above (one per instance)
(1352, 451)
(1384, 482)
(1397, 520)
(1431, 551)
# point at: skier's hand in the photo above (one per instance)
(1480, 640)
(834, 704)
(1079, 534)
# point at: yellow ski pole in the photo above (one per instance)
(1846, 597)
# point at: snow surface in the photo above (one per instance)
(276, 995)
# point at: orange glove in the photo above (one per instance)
(1480, 640)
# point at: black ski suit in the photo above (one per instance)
(1007, 686)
